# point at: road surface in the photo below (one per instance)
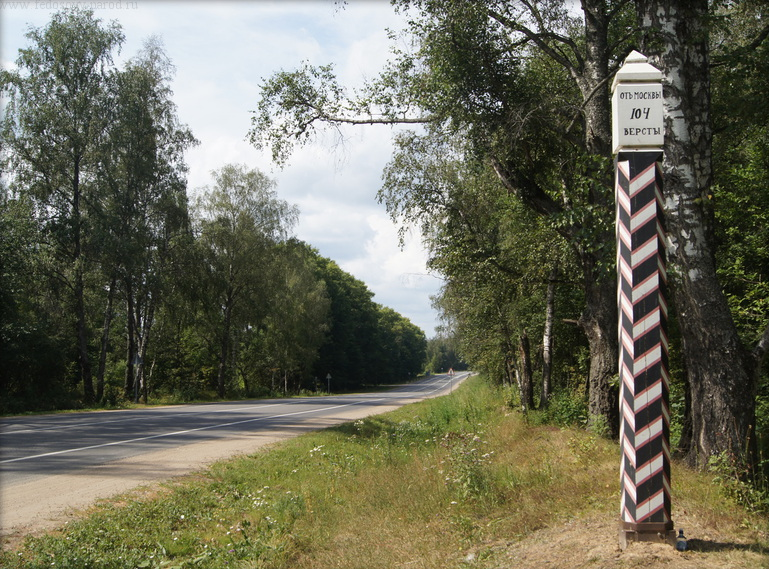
(52, 465)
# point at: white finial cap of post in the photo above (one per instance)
(636, 69)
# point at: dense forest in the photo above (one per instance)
(508, 170)
(114, 287)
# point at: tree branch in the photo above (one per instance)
(618, 7)
(538, 40)
(741, 51)
(600, 85)
(528, 191)
(376, 120)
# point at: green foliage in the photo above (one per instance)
(564, 409)
(241, 221)
(366, 343)
(739, 484)
(442, 355)
(742, 221)
(352, 326)
(297, 319)
(33, 353)
(467, 465)
(401, 347)
(52, 135)
(291, 102)
(497, 274)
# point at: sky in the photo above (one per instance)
(223, 51)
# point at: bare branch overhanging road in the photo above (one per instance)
(54, 463)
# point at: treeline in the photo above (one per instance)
(113, 286)
(510, 177)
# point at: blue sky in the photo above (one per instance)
(222, 51)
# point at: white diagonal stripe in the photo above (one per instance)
(652, 504)
(642, 217)
(642, 180)
(649, 469)
(644, 252)
(647, 433)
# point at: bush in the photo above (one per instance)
(564, 409)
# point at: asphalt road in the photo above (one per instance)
(75, 452)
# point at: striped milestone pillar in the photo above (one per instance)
(645, 417)
(638, 139)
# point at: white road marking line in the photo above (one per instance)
(209, 427)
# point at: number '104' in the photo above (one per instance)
(639, 113)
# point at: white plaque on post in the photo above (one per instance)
(637, 106)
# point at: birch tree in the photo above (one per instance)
(54, 129)
(241, 221)
(145, 201)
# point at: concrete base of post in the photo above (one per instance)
(663, 532)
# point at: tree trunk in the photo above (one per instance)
(547, 339)
(143, 328)
(599, 321)
(510, 376)
(224, 349)
(84, 360)
(105, 342)
(686, 440)
(593, 81)
(129, 388)
(526, 375)
(82, 338)
(722, 385)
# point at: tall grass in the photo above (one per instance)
(418, 487)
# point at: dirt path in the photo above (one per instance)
(593, 543)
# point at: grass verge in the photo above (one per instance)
(456, 481)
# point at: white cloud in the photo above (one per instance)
(397, 276)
